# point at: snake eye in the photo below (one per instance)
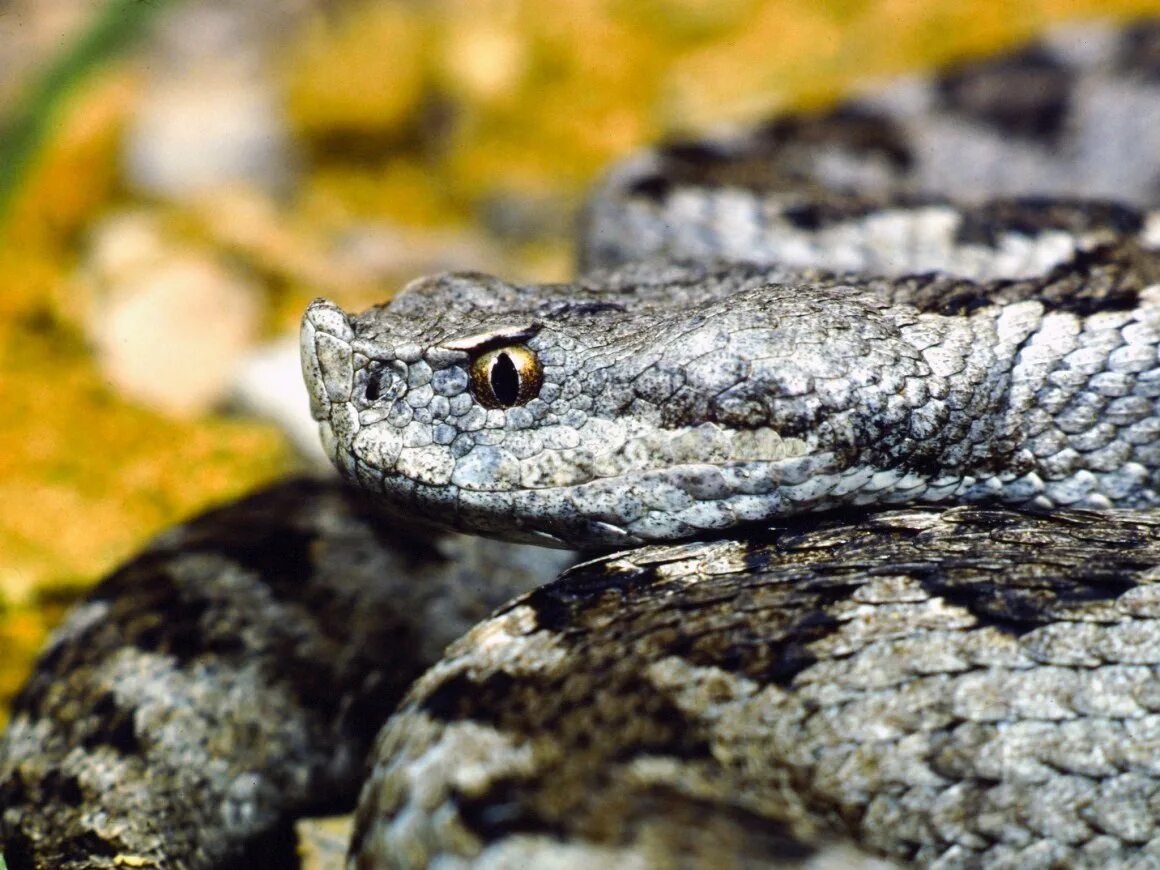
(506, 376)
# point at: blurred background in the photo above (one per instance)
(178, 180)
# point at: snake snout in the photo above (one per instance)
(327, 362)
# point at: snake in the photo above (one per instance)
(816, 523)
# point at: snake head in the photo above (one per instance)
(628, 407)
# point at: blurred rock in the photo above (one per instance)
(302, 254)
(484, 60)
(382, 251)
(521, 218)
(210, 114)
(268, 384)
(205, 131)
(169, 322)
(363, 70)
(322, 842)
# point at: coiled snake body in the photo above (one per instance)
(887, 376)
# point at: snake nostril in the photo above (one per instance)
(380, 380)
(383, 382)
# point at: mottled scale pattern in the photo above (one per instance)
(915, 682)
(868, 400)
(872, 185)
(231, 677)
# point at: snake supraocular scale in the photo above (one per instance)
(792, 349)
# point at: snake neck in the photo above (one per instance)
(1082, 408)
(1021, 404)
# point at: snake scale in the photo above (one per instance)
(868, 403)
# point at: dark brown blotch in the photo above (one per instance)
(1026, 95)
(1139, 52)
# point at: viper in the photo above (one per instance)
(864, 401)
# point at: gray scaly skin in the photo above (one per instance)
(961, 688)
(682, 400)
(232, 676)
(832, 313)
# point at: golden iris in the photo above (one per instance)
(506, 377)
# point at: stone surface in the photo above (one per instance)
(170, 322)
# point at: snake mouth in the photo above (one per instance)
(673, 502)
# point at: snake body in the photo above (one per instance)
(963, 348)
(790, 350)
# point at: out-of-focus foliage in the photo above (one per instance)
(484, 118)
(29, 124)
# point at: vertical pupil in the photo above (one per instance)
(505, 380)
